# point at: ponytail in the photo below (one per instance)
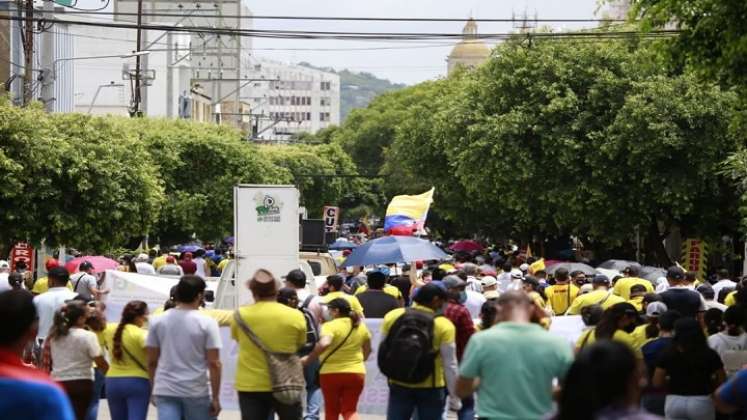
(66, 317)
(355, 319)
(130, 313)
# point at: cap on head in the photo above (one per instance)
(600, 279)
(675, 273)
(488, 281)
(453, 282)
(51, 263)
(85, 266)
(654, 309)
(491, 294)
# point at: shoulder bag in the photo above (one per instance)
(286, 371)
(319, 369)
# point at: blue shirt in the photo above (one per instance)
(652, 350)
(734, 392)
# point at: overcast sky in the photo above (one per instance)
(409, 65)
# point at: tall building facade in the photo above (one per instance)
(470, 52)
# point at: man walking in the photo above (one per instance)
(48, 303)
(458, 314)
(562, 293)
(681, 298)
(375, 301)
(514, 363)
(182, 346)
(428, 396)
(85, 284)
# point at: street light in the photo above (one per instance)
(106, 85)
(48, 83)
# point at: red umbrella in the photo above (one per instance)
(466, 246)
(100, 263)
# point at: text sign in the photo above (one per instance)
(331, 215)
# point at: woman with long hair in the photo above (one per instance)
(614, 324)
(691, 371)
(602, 383)
(127, 381)
(72, 351)
(343, 347)
(732, 338)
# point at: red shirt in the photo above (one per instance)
(462, 320)
(188, 266)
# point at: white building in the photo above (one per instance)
(296, 99)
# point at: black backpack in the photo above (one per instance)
(312, 329)
(407, 355)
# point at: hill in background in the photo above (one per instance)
(357, 88)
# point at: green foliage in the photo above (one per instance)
(713, 37)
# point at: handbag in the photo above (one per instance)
(319, 369)
(286, 371)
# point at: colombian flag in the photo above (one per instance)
(407, 213)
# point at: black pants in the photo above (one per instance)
(259, 405)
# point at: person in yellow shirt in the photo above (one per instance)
(650, 330)
(344, 344)
(561, 295)
(530, 285)
(160, 260)
(427, 395)
(612, 325)
(601, 295)
(127, 381)
(623, 285)
(637, 294)
(388, 289)
(41, 285)
(224, 262)
(335, 284)
(279, 328)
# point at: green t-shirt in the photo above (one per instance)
(516, 364)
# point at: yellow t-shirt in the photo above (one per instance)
(619, 335)
(279, 327)
(388, 289)
(537, 299)
(623, 285)
(443, 333)
(639, 336)
(637, 302)
(223, 263)
(593, 298)
(133, 339)
(352, 300)
(731, 299)
(42, 285)
(349, 357)
(159, 262)
(559, 297)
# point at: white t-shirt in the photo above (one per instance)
(200, 262)
(722, 342)
(47, 304)
(4, 285)
(82, 284)
(474, 303)
(722, 284)
(73, 354)
(183, 337)
(145, 268)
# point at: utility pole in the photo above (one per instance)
(135, 112)
(28, 54)
(49, 73)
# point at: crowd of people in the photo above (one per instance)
(469, 337)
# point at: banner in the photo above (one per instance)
(694, 253)
(22, 251)
(406, 214)
(331, 216)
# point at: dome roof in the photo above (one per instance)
(471, 48)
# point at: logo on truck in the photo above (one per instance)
(268, 208)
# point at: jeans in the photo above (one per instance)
(467, 412)
(259, 405)
(341, 392)
(128, 398)
(430, 403)
(183, 408)
(313, 392)
(98, 386)
(695, 407)
(80, 392)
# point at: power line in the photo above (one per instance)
(336, 35)
(348, 18)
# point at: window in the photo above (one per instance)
(326, 85)
(325, 101)
(324, 116)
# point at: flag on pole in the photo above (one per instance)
(408, 212)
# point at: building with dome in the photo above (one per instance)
(470, 52)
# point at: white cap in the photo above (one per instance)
(524, 267)
(488, 281)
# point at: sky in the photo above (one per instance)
(421, 60)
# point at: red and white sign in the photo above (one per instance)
(331, 216)
(22, 251)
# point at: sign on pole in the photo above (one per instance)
(331, 217)
(694, 252)
(22, 251)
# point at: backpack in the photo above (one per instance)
(312, 329)
(407, 355)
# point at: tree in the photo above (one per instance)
(713, 37)
(74, 180)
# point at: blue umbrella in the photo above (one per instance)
(394, 249)
(188, 248)
(342, 243)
